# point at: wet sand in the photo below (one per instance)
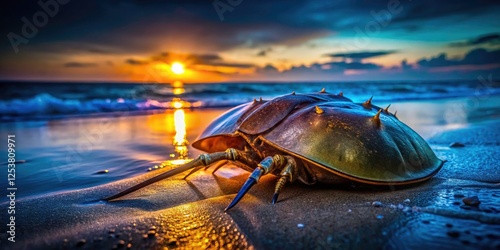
(189, 213)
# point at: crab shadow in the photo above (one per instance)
(300, 190)
(138, 203)
(203, 185)
(264, 190)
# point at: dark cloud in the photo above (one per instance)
(250, 24)
(144, 26)
(99, 51)
(330, 67)
(134, 28)
(187, 58)
(73, 48)
(79, 65)
(473, 57)
(269, 68)
(132, 61)
(474, 63)
(476, 57)
(352, 66)
(231, 65)
(484, 39)
(360, 55)
(405, 65)
(264, 52)
(190, 59)
(411, 27)
(429, 9)
(204, 58)
(199, 59)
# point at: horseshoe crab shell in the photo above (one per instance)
(360, 142)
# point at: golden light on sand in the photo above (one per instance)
(177, 68)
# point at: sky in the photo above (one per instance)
(243, 40)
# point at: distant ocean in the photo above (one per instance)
(54, 100)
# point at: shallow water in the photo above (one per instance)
(67, 154)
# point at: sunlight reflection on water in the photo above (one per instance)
(180, 141)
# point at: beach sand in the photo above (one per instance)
(190, 213)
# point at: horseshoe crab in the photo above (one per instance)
(313, 137)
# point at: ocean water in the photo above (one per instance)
(49, 100)
(66, 133)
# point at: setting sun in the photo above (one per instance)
(177, 68)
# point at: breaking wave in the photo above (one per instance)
(30, 100)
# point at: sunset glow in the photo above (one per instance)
(318, 41)
(177, 68)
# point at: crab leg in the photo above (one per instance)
(266, 166)
(202, 160)
(289, 173)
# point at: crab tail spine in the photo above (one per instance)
(202, 160)
(192, 164)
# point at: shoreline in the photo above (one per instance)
(152, 135)
(477, 98)
(335, 217)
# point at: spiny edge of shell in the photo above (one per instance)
(376, 118)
